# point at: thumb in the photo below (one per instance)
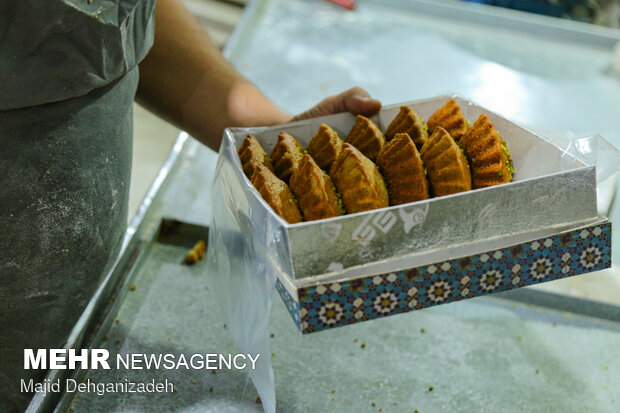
(361, 104)
(355, 100)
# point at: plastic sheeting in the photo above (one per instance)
(243, 265)
(595, 150)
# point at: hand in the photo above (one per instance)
(355, 100)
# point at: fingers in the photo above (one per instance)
(355, 100)
(323, 108)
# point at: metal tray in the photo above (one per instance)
(540, 336)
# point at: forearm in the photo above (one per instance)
(185, 80)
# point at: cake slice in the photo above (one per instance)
(403, 170)
(409, 122)
(451, 118)
(325, 146)
(315, 192)
(286, 155)
(446, 164)
(276, 193)
(358, 180)
(366, 137)
(251, 153)
(487, 153)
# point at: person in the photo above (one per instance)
(69, 73)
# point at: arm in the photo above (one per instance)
(185, 80)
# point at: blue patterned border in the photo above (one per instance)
(336, 304)
(289, 301)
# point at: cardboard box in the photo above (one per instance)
(542, 226)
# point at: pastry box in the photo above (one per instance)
(541, 226)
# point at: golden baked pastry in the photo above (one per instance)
(366, 136)
(408, 121)
(487, 153)
(196, 253)
(325, 146)
(251, 153)
(286, 155)
(276, 193)
(451, 118)
(315, 192)
(403, 170)
(447, 167)
(358, 180)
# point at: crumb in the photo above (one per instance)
(373, 404)
(554, 324)
(519, 337)
(355, 340)
(363, 345)
(258, 400)
(333, 391)
(196, 253)
(132, 287)
(395, 404)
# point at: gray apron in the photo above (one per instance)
(68, 76)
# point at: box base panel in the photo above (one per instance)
(330, 305)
